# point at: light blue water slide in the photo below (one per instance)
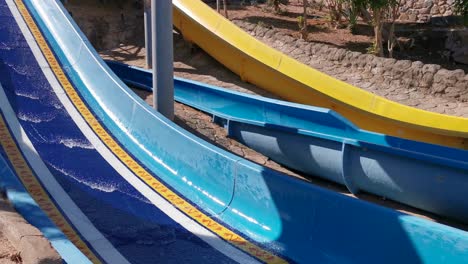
(136, 188)
(320, 142)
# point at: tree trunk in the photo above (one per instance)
(225, 8)
(364, 14)
(304, 31)
(391, 40)
(378, 32)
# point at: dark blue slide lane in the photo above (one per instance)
(139, 230)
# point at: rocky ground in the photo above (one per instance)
(322, 31)
(424, 86)
(20, 242)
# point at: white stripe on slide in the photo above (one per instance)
(71, 210)
(188, 223)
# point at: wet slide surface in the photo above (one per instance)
(128, 186)
(69, 168)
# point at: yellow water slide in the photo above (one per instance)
(280, 74)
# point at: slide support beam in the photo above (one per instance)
(148, 36)
(163, 57)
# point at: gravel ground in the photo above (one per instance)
(8, 253)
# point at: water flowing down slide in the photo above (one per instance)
(275, 72)
(320, 143)
(115, 182)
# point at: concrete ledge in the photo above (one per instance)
(28, 240)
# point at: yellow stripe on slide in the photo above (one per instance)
(177, 201)
(277, 73)
(36, 190)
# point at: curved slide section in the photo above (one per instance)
(126, 185)
(265, 67)
(322, 143)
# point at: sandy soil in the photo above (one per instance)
(321, 31)
(8, 254)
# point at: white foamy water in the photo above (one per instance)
(75, 143)
(104, 187)
(56, 105)
(28, 117)
(27, 95)
(139, 198)
(21, 70)
(51, 100)
(45, 100)
(4, 46)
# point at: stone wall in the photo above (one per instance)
(109, 23)
(420, 10)
(424, 10)
(408, 82)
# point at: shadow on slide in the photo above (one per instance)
(126, 185)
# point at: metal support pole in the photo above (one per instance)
(163, 57)
(148, 45)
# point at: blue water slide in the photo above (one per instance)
(320, 142)
(130, 186)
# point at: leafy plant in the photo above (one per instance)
(351, 13)
(461, 8)
(276, 4)
(261, 24)
(224, 7)
(376, 12)
(371, 49)
(335, 11)
(302, 20)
